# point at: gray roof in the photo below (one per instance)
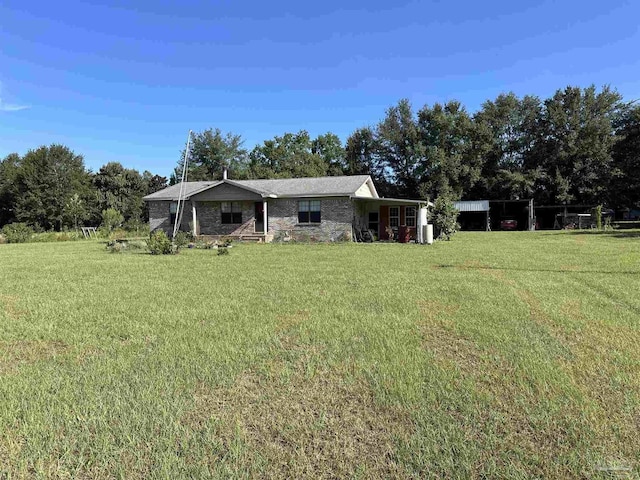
(172, 192)
(277, 187)
(296, 187)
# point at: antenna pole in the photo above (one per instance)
(180, 206)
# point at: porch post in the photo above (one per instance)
(195, 219)
(265, 217)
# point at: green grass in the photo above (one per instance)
(510, 355)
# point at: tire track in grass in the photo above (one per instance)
(494, 403)
(299, 416)
(604, 365)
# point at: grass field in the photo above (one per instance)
(495, 355)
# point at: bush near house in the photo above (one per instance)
(445, 217)
(159, 244)
(17, 232)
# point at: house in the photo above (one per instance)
(322, 208)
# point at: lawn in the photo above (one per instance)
(511, 355)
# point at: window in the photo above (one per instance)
(173, 211)
(309, 211)
(231, 212)
(410, 216)
(373, 222)
(394, 216)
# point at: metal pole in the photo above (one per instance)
(179, 210)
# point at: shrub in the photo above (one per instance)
(118, 234)
(223, 250)
(182, 239)
(111, 219)
(114, 246)
(597, 213)
(17, 232)
(159, 243)
(136, 226)
(445, 217)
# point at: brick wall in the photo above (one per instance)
(336, 215)
(210, 219)
(159, 217)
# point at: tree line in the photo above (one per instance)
(580, 146)
(50, 188)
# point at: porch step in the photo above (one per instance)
(248, 237)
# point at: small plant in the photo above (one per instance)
(118, 234)
(135, 226)
(17, 232)
(113, 246)
(223, 250)
(159, 244)
(597, 213)
(182, 239)
(111, 219)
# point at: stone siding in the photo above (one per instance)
(336, 218)
(159, 217)
(209, 218)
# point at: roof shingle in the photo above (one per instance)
(279, 187)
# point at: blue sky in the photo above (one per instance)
(125, 80)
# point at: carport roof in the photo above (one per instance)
(472, 206)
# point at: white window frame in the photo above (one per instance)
(394, 217)
(407, 216)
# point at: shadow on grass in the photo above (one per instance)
(539, 270)
(607, 233)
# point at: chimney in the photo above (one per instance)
(224, 173)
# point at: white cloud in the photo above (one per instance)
(11, 107)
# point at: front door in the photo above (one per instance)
(259, 217)
(374, 218)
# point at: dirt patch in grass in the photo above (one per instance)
(17, 353)
(11, 309)
(287, 322)
(301, 418)
(569, 268)
(435, 311)
(572, 309)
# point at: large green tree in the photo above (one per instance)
(121, 189)
(451, 164)
(625, 184)
(401, 149)
(210, 153)
(8, 188)
(577, 142)
(330, 148)
(288, 156)
(507, 135)
(47, 179)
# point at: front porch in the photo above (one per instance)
(241, 237)
(239, 219)
(389, 219)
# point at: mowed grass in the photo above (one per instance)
(494, 355)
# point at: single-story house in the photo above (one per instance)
(322, 208)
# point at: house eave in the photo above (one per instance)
(398, 201)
